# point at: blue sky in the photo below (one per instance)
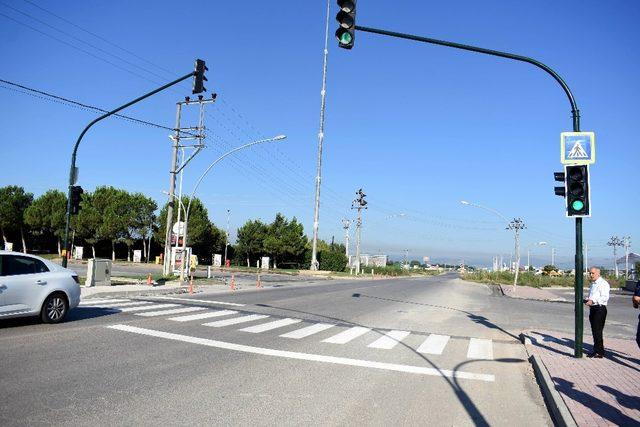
(418, 127)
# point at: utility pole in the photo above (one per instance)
(627, 245)
(346, 224)
(359, 203)
(406, 253)
(316, 207)
(182, 134)
(516, 225)
(553, 256)
(226, 244)
(615, 242)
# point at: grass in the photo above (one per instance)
(530, 279)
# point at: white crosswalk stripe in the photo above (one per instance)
(434, 344)
(172, 311)
(270, 325)
(235, 320)
(480, 349)
(348, 335)
(390, 340)
(148, 307)
(125, 304)
(101, 301)
(307, 331)
(200, 316)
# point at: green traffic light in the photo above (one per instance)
(577, 205)
(345, 38)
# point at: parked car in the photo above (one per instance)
(33, 286)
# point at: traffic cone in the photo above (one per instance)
(258, 282)
(233, 283)
(149, 280)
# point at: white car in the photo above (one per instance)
(33, 286)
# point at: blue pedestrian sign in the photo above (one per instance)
(577, 148)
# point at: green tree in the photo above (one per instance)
(285, 241)
(250, 241)
(13, 203)
(88, 222)
(113, 207)
(47, 215)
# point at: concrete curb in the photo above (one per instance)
(555, 404)
(558, 300)
(135, 293)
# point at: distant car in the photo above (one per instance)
(33, 286)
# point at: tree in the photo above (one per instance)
(13, 203)
(285, 240)
(88, 222)
(140, 220)
(547, 269)
(113, 207)
(250, 241)
(47, 215)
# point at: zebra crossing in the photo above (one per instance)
(432, 344)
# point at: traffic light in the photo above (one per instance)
(199, 77)
(76, 198)
(346, 17)
(577, 190)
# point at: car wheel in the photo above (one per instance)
(54, 309)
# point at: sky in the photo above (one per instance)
(418, 127)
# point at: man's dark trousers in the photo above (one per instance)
(597, 316)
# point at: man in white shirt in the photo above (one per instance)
(597, 302)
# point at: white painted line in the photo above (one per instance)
(235, 320)
(203, 315)
(172, 311)
(270, 325)
(148, 307)
(200, 300)
(101, 301)
(420, 370)
(434, 344)
(125, 304)
(480, 349)
(309, 330)
(390, 340)
(346, 336)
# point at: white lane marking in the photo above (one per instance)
(202, 315)
(270, 325)
(305, 356)
(309, 330)
(348, 335)
(390, 340)
(172, 311)
(480, 349)
(118, 305)
(148, 307)
(200, 300)
(101, 301)
(235, 320)
(434, 344)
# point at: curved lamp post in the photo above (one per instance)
(529, 252)
(195, 188)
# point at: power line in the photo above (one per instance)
(80, 104)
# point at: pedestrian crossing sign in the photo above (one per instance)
(577, 148)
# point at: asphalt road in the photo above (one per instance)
(409, 351)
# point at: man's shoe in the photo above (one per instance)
(598, 356)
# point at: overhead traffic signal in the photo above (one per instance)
(76, 198)
(577, 190)
(346, 18)
(199, 77)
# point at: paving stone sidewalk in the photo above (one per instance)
(596, 392)
(529, 292)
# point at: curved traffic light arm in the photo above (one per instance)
(75, 151)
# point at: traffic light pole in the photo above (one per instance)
(579, 268)
(72, 173)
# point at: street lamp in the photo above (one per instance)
(529, 252)
(516, 225)
(195, 188)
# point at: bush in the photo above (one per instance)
(332, 260)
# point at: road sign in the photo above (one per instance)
(577, 148)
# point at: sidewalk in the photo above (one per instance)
(528, 292)
(587, 392)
